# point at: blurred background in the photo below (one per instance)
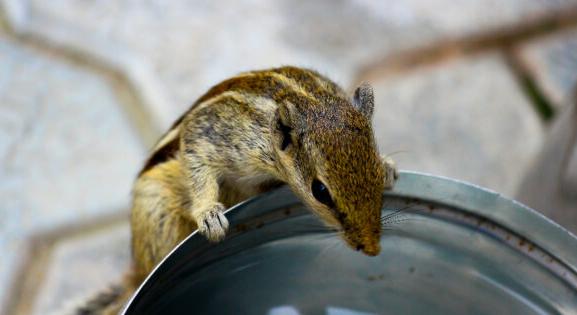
(477, 90)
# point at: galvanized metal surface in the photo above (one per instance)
(454, 249)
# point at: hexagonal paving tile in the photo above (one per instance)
(188, 46)
(465, 119)
(82, 266)
(552, 62)
(67, 152)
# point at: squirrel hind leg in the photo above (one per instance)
(159, 216)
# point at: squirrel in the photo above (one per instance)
(249, 134)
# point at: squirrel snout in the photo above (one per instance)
(362, 241)
(368, 246)
(370, 249)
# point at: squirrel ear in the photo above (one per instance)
(364, 100)
(288, 114)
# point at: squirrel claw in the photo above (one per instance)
(391, 172)
(212, 223)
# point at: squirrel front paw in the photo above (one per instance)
(211, 222)
(391, 172)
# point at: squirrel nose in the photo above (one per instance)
(370, 250)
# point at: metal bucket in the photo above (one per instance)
(458, 249)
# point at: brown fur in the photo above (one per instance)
(227, 148)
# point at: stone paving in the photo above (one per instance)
(68, 152)
(466, 118)
(552, 61)
(87, 86)
(103, 252)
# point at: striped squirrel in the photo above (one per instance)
(251, 133)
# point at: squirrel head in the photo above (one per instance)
(327, 154)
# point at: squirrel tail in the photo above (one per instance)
(110, 301)
(106, 302)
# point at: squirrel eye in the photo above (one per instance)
(286, 137)
(321, 193)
